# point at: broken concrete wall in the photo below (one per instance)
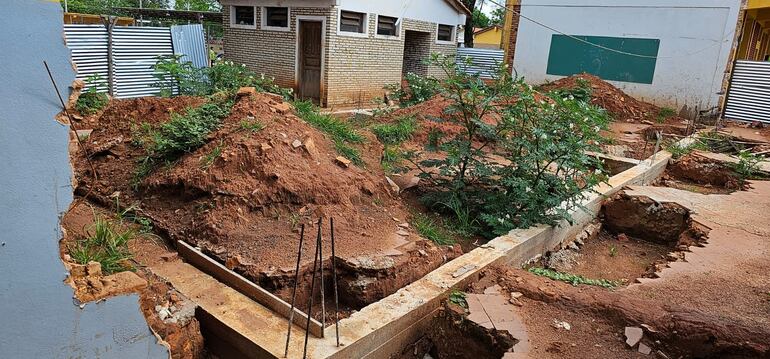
(39, 317)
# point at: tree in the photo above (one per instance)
(498, 16)
(470, 4)
(198, 5)
(480, 19)
(105, 7)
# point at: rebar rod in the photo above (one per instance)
(321, 270)
(294, 293)
(312, 290)
(334, 283)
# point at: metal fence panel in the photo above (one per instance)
(88, 45)
(749, 96)
(135, 52)
(190, 42)
(483, 61)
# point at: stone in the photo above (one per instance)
(516, 295)
(495, 289)
(164, 314)
(404, 225)
(94, 268)
(623, 237)
(342, 161)
(633, 335)
(393, 186)
(547, 291)
(264, 147)
(168, 257)
(296, 144)
(78, 270)
(403, 233)
(558, 324)
(246, 91)
(644, 349)
(310, 148)
(282, 108)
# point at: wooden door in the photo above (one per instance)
(310, 57)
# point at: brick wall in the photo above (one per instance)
(268, 52)
(356, 69)
(360, 67)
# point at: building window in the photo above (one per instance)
(445, 32)
(275, 17)
(352, 22)
(243, 16)
(386, 26)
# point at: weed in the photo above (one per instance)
(664, 113)
(747, 166)
(90, 101)
(392, 157)
(613, 251)
(434, 139)
(294, 220)
(428, 228)
(209, 158)
(347, 151)
(378, 202)
(107, 244)
(252, 125)
(397, 132)
(677, 150)
(459, 298)
(182, 134)
(572, 278)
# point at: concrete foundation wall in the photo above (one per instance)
(696, 37)
(39, 317)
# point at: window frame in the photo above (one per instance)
(341, 32)
(263, 19)
(397, 24)
(453, 34)
(235, 25)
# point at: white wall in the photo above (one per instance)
(438, 11)
(695, 41)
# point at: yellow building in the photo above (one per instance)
(755, 41)
(488, 37)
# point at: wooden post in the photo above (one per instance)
(109, 24)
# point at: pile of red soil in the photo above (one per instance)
(704, 171)
(603, 94)
(245, 205)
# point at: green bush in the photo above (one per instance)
(418, 89)
(90, 101)
(542, 171)
(582, 92)
(183, 78)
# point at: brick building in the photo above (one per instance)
(340, 53)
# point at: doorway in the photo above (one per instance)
(416, 52)
(310, 59)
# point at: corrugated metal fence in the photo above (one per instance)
(134, 53)
(749, 96)
(482, 60)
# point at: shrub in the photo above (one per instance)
(418, 89)
(582, 92)
(182, 77)
(747, 167)
(428, 228)
(90, 101)
(542, 170)
(664, 113)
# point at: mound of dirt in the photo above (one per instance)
(242, 196)
(609, 97)
(704, 171)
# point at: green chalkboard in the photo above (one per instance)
(569, 56)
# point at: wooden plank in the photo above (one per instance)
(246, 287)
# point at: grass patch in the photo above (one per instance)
(664, 113)
(678, 150)
(343, 134)
(209, 158)
(428, 228)
(252, 125)
(396, 132)
(107, 244)
(572, 278)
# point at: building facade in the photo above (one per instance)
(340, 53)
